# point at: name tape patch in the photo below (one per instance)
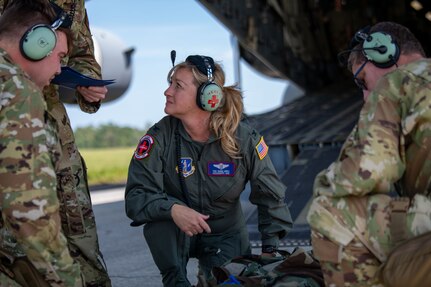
(221, 169)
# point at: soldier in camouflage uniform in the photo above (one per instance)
(34, 249)
(76, 210)
(356, 212)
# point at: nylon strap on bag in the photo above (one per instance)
(399, 207)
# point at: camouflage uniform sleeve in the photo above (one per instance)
(371, 160)
(268, 193)
(81, 57)
(29, 202)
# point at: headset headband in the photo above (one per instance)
(60, 20)
(204, 64)
(67, 19)
(359, 37)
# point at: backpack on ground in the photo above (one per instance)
(299, 269)
(408, 264)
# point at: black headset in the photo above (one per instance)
(40, 39)
(379, 48)
(209, 94)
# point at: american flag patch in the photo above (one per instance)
(262, 149)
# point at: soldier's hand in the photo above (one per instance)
(189, 220)
(93, 94)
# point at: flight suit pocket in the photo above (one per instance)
(228, 188)
(268, 185)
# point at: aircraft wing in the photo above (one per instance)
(299, 40)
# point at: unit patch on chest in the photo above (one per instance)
(221, 169)
(186, 166)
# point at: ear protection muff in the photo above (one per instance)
(209, 95)
(39, 40)
(380, 49)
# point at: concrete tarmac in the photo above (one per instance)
(126, 253)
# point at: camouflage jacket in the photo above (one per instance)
(76, 211)
(29, 151)
(392, 141)
(81, 57)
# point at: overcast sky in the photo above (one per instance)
(154, 28)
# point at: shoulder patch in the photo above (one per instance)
(261, 149)
(144, 147)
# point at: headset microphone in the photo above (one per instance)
(173, 56)
(342, 59)
(380, 49)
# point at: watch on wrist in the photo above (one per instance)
(268, 249)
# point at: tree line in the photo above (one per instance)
(107, 135)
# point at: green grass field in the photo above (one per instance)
(107, 165)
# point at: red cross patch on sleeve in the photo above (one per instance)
(144, 147)
(262, 149)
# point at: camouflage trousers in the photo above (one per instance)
(351, 236)
(76, 210)
(6, 281)
(20, 271)
(79, 224)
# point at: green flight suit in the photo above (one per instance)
(214, 182)
(77, 216)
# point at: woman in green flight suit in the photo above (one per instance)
(188, 171)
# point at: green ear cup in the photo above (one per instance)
(381, 58)
(209, 96)
(38, 42)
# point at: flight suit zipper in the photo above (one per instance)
(201, 180)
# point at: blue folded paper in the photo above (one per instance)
(71, 78)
